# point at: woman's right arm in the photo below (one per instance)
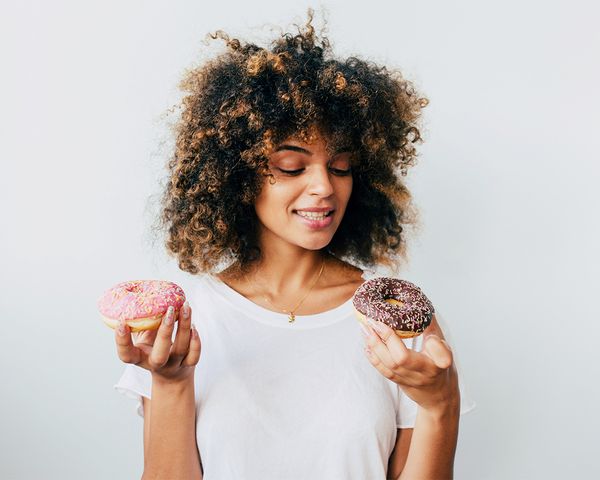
(170, 449)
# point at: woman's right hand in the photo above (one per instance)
(153, 349)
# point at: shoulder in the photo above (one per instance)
(339, 282)
(203, 290)
(341, 275)
(235, 280)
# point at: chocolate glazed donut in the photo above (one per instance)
(397, 303)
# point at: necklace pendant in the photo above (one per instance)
(291, 317)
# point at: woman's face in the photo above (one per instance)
(307, 178)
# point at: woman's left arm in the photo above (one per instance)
(428, 377)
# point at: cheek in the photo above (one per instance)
(344, 189)
(273, 202)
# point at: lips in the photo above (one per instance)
(315, 209)
(315, 224)
(326, 212)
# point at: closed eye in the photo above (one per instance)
(337, 171)
(342, 172)
(291, 172)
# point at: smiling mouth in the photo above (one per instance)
(314, 215)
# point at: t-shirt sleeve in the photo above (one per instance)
(135, 383)
(406, 413)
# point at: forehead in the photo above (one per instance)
(296, 144)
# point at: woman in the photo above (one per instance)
(285, 168)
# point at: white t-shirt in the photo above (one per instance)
(276, 400)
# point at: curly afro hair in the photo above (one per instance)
(241, 104)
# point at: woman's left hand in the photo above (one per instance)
(428, 377)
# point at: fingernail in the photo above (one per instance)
(121, 329)
(194, 331)
(169, 319)
(186, 309)
(365, 331)
(376, 325)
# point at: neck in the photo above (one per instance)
(285, 269)
(281, 275)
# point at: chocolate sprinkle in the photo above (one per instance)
(413, 316)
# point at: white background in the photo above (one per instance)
(506, 184)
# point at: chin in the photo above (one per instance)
(316, 245)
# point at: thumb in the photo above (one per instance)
(438, 350)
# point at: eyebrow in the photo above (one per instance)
(294, 148)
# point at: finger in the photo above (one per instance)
(433, 328)
(378, 364)
(389, 347)
(379, 355)
(408, 367)
(162, 344)
(384, 332)
(193, 355)
(182, 338)
(439, 351)
(126, 351)
(376, 345)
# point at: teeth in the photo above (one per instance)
(313, 215)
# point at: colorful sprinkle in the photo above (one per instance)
(140, 298)
(413, 316)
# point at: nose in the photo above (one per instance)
(319, 182)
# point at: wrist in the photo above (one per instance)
(449, 407)
(177, 385)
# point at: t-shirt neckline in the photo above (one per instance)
(269, 317)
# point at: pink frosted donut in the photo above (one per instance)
(141, 303)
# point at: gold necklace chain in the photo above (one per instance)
(290, 313)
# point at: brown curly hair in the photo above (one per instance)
(240, 105)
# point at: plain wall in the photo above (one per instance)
(506, 184)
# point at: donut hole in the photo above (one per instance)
(393, 301)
